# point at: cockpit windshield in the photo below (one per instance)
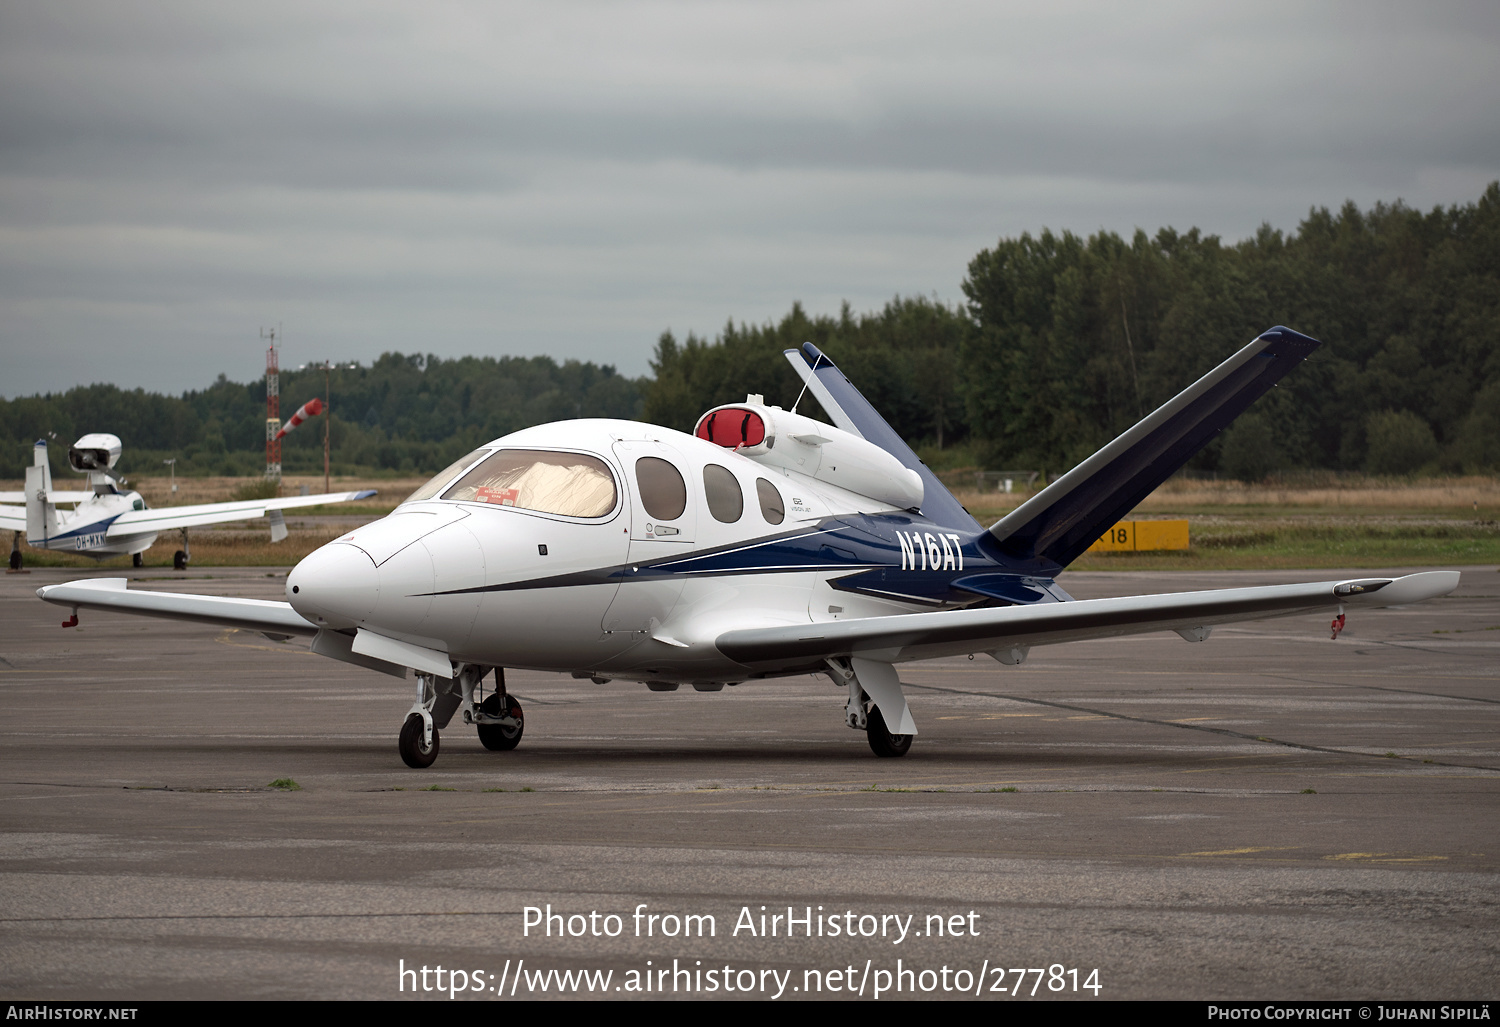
(443, 477)
(569, 484)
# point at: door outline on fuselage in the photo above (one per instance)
(646, 599)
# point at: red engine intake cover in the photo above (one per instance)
(732, 427)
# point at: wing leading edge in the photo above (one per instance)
(925, 636)
(173, 517)
(112, 594)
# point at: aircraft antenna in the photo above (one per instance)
(327, 417)
(273, 405)
(806, 383)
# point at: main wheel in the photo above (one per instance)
(15, 559)
(137, 560)
(414, 753)
(881, 740)
(498, 737)
(179, 560)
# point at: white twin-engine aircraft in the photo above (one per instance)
(764, 544)
(108, 520)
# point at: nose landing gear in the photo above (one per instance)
(498, 718)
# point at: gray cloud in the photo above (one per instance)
(530, 178)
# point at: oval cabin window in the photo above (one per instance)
(663, 492)
(722, 490)
(569, 484)
(771, 506)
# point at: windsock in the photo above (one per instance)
(312, 408)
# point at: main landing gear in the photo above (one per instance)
(868, 713)
(881, 740)
(498, 717)
(182, 556)
(15, 551)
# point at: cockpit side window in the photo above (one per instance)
(443, 477)
(772, 506)
(569, 484)
(722, 490)
(663, 492)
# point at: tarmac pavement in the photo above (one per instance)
(1267, 815)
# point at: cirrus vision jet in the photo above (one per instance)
(763, 544)
(109, 519)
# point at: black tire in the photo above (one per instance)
(496, 737)
(179, 560)
(15, 559)
(413, 753)
(881, 740)
(137, 560)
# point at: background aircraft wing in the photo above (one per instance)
(922, 636)
(172, 517)
(53, 497)
(112, 594)
(12, 518)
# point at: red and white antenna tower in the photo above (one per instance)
(273, 407)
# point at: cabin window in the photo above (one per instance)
(663, 492)
(569, 484)
(722, 490)
(771, 506)
(443, 477)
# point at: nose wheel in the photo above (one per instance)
(416, 751)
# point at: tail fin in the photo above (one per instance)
(854, 414)
(41, 514)
(1066, 517)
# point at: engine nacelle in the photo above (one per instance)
(779, 438)
(96, 452)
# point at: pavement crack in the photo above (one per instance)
(1192, 727)
(1381, 688)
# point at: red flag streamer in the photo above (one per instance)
(312, 408)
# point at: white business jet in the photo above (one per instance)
(111, 520)
(764, 544)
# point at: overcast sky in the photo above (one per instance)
(574, 178)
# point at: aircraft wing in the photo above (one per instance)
(172, 517)
(113, 595)
(923, 636)
(52, 497)
(12, 518)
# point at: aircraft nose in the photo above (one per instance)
(336, 586)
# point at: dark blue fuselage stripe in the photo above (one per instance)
(862, 550)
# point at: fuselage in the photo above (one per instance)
(85, 528)
(622, 550)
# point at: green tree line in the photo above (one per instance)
(1062, 343)
(403, 414)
